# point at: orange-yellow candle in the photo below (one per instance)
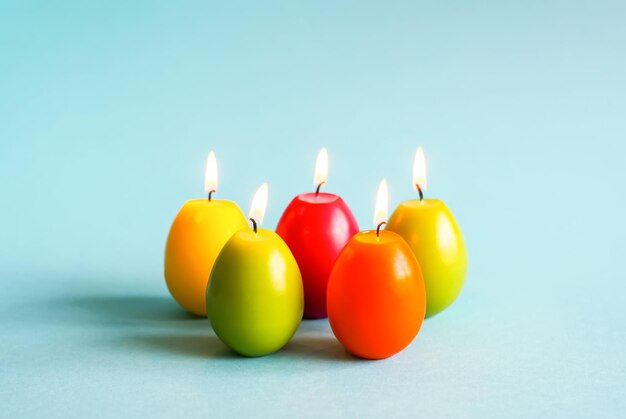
(430, 229)
(198, 233)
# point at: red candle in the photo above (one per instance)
(376, 294)
(316, 226)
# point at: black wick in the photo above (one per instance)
(317, 191)
(210, 194)
(420, 192)
(253, 225)
(379, 226)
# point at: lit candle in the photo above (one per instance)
(254, 298)
(197, 235)
(432, 232)
(316, 226)
(376, 297)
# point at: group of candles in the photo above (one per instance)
(375, 286)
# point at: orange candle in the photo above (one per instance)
(376, 297)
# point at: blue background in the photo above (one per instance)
(107, 112)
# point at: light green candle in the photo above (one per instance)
(433, 234)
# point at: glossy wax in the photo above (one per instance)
(436, 239)
(254, 298)
(198, 233)
(376, 296)
(316, 228)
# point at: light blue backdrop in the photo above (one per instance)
(107, 111)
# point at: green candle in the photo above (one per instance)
(255, 298)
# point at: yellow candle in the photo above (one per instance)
(431, 231)
(198, 233)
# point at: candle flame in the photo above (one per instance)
(259, 204)
(382, 204)
(210, 176)
(419, 170)
(321, 168)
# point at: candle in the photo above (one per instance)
(254, 298)
(432, 232)
(316, 226)
(200, 229)
(376, 296)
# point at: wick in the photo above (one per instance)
(420, 192)
(210, 194)
(253, 225)
(379, 226)
(317, 191)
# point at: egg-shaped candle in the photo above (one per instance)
(376, 296)
(254, 298)
(198, 233)
(430, 229)
(316, 226)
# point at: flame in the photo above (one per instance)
(382, 204)
(259, 204)
(210, 176)
(321, 168)
(419, 170)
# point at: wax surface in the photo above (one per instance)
(435, 237)
(316, 228)
(376, 296)
(254, 298)
(198, 233)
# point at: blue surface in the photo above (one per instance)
(107, 112)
